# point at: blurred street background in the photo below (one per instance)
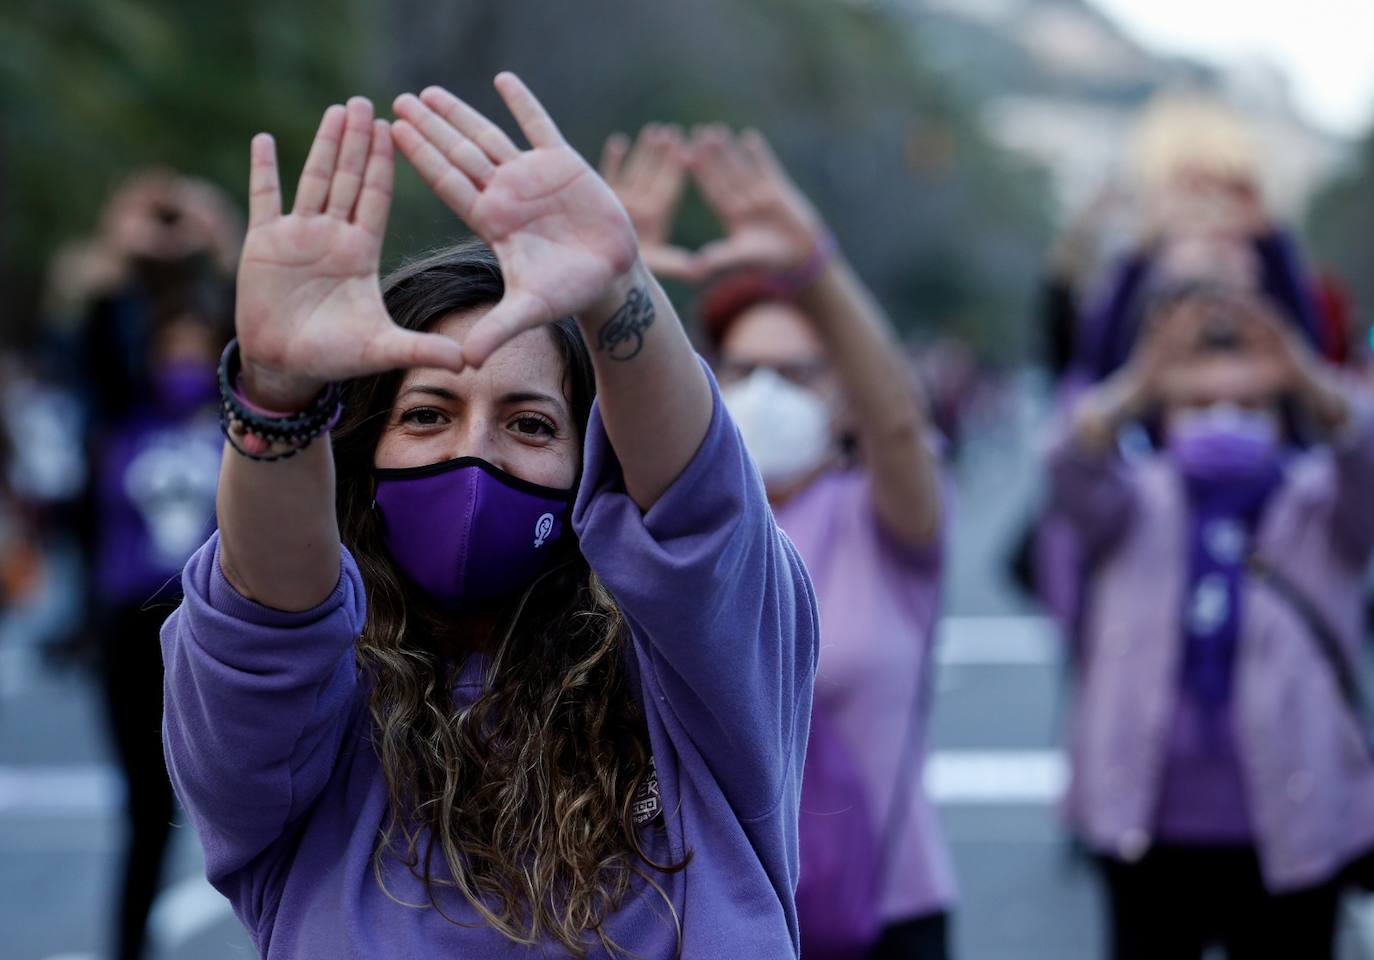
(947, 142)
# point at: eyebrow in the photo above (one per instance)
(527, 396)
(432, 391)
(517, 396)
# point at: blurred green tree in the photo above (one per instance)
(946, 228)
(91, 90)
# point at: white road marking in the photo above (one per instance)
(997, 641)
(1005, 777)
(59, 791)
(186, 910)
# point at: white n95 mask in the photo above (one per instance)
(786, 428)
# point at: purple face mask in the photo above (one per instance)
(1226, 445)
(465, 531)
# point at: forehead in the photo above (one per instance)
(528, 361)
(1231, 378)
(771, 333)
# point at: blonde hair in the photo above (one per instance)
(1191, 133)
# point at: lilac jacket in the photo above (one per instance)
(267, 734)
(879, 602)
(1308, 776)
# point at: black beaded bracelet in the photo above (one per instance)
(281, 435)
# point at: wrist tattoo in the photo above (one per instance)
(622, 336)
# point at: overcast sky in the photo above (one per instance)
(1325, 46)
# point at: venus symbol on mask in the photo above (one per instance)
(542, 528)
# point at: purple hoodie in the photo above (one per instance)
(267, 728)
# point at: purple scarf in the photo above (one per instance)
(1230, 462)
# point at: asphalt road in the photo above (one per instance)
(995, 771)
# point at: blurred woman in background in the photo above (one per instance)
(144, 307)
(813, 376)
(1220, 766)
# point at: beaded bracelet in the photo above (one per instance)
(268, 435)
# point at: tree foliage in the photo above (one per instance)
(1341, 226)
(946, 228)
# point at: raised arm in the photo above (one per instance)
(566, 247)
(309, 311)
(769, 224)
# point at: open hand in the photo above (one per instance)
(309, 306)
(562, 237)
(768, 223)
(648, 177)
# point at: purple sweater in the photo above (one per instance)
(266, 731)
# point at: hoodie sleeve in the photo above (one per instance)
(256, 705)
(718, 602)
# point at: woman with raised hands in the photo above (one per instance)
(1221, 767)
(498, 671)
(813, 376)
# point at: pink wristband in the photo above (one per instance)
(260, 411)
(804, 274)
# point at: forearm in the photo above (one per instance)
(279, 536)
(887, 411)
(654, 398)
(1320, 391)
(1091, 489)
(1101, 412)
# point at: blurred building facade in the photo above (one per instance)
(1061, 82)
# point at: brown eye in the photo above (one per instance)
(529, 425)
(423, 416)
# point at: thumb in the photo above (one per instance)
(673, 263)
(718, 256)
(404, 349)
(517, 312)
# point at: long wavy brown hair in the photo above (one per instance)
(524, 798)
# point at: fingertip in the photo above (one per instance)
(262, 145)
(433, 94)
(474, 358)
(357, 104)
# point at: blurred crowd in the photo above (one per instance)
(1202, 543)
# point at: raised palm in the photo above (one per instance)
(768, 223)
(309, 306)
(648, 177)
(558, 230)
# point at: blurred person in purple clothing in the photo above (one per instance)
(811, 372)
(1197, 169)
(516, 662)
(143, 309)
(1203, 217)
(1221, 768)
